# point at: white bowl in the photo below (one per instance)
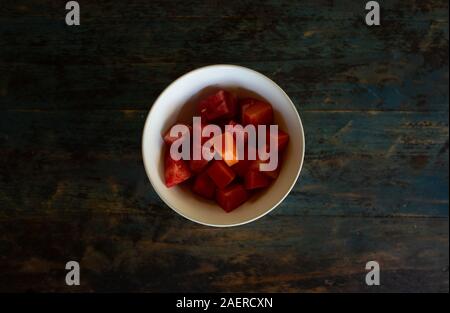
(178, 102)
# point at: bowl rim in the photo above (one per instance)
(218, 66)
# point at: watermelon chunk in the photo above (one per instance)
(254, 166)
(204, 186)
(230, 155)
(199, 128)
(274, 173)
(283, 139)
(220, 173)
(220, 105)
(202, 111)
(241, 167)
(240, 132)
(256, 112)
(255, 180)
(230, 181)
(231, 197)
(168, 139)
(175, 172)
(245, 163)
(196, 166)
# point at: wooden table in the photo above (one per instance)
(374, 102)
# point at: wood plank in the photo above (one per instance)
(325, 59)
(156, 251)
(374, 104)
(356, 164)
(223, 8)
(339, 85)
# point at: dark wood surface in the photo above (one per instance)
(374, 102)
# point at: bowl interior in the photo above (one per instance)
(178, 103)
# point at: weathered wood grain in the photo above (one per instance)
(356, 164)
(158, 251)
(374, 104)
(321, 53)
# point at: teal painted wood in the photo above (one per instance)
(159, 251)
(374, 104)
(356, 163)
(322, 54)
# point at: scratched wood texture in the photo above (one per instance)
(374, 102)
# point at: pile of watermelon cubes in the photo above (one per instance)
(230, 182)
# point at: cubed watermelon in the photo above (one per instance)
(274, 173)
(204, 186)
(254, 166)
(255, 180)
(175, 172)
(202, 110)
(230, 181)
(198, 128)
(220, 105)
(256, 112)
(220, 173)
(196, 166)
(168, 139)
(283, 139)
(241, 167)
(238, 132)
(230, 155)
(231, 197)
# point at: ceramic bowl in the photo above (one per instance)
(178, 102)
